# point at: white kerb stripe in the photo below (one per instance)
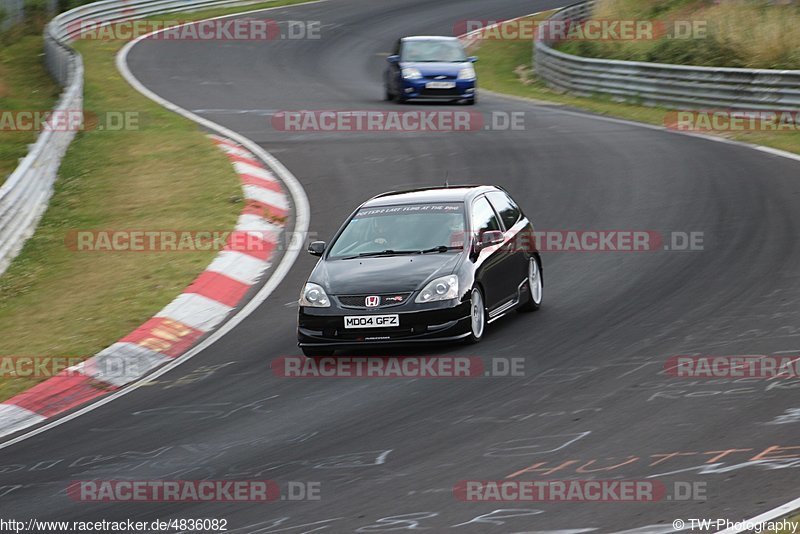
(13, 418)
(258, 172)
(265, 196)
(197, 311)
(239, 266)
(237, 151)
(122, 363)
(259, 226)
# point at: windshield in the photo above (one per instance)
(433, 50)
(402, 229)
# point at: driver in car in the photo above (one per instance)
(380, 228)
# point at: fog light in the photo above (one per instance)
(471, 90)
(409, 89)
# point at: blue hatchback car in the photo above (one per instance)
(435, 68)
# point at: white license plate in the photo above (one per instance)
(440, 85)
(371, 321)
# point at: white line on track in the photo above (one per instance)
(790, 506)
(302, 219)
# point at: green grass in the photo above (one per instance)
(505, 67)
(752, 34)
(24, 86)
(794, 526)
(167, 175)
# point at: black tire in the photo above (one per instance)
(532, 304)
(387, 94)
(476, 334)
(317, 353)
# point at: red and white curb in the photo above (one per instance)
(203, 306)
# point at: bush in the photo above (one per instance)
(36, 13)
(740, 33)
(686, 52)
(66, 5)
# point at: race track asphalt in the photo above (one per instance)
(594, 402)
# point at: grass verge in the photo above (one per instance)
(24, 86)
(792, 526)
(753, 34)
(165, 175)
(505, 67)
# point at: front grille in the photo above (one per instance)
(387, 300)
(373, 334)
(440, 92)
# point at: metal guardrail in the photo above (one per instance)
(663, 84)
(25, 194)
(11, 12)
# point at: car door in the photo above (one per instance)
(489, 261)
(515, 262)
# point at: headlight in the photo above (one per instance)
(467, 73)
(444, 288)
(410, 73)
(313, 295)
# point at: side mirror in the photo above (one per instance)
(472, 59)
(393, 59)
(487, 239)
(316, 248)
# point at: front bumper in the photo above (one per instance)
(418, 323)
(416, 89)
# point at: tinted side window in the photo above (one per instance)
(508, 211)
(483, 217)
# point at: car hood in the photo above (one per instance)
(438, 68)
(383, 274)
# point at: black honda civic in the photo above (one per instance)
(409, 267)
